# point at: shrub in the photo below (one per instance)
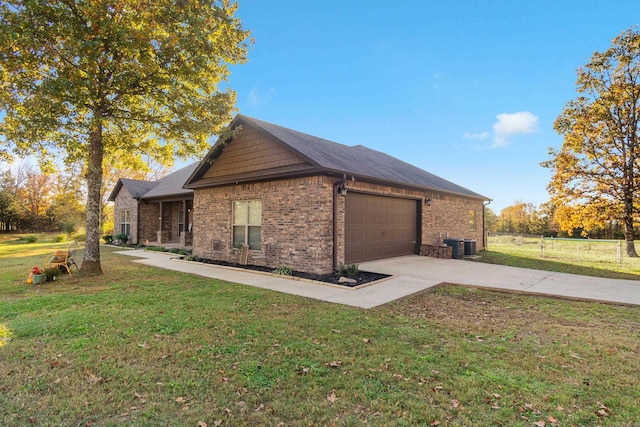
(350, 270)
(31, 238)
(52, 273)
(60, 238)
(122, 238)
(108, 238)
(178, 251)
(283, 270)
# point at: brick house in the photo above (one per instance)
(313, 204)
(155, 212)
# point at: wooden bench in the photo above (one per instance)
(62, 258)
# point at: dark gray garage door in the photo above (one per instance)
(379, 227)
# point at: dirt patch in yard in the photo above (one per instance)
(483, 311)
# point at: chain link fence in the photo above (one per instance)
(557, 248)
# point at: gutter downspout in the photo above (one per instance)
(335, 221)
(484, 225)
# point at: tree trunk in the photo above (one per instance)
(91, 261)
(628, 237)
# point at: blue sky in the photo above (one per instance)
(468, 90)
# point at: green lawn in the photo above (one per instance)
(576, 256)
(141, 346)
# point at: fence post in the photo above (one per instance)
(619, 251)
(542, 246)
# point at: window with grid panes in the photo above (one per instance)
(247, 223)
(125, 224)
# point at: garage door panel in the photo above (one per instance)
(379, 227)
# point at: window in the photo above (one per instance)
(472, 220)
(180, 222)
(125, 224)
(247, 223)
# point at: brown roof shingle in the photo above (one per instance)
(357, 160)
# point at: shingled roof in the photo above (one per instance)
(359, 161)
(170, 185)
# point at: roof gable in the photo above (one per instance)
(254, 154)
(170, 185)
(136, 187)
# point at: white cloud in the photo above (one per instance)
(512, 124)
(507, 126)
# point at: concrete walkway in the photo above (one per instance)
(413, 274)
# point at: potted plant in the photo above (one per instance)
(37, 276)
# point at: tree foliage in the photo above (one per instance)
(490, 220)
(518, 218)
(10, 207)
(89, 79)
(596, 172)
(33, 200)
(526, 218)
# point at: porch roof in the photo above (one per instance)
(171, 185)
(168, 186)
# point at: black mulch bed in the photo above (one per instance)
(363, 276)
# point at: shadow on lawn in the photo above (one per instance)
(490, 257)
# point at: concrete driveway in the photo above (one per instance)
(413, 274)
(410, 269)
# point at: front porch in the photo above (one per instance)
(167, 223)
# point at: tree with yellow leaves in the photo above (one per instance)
(596, 172)
(91, 80)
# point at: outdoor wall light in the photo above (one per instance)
(342, 189)
(427, 201)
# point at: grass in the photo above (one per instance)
(583, 257)
(139, 346)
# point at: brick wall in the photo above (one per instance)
(149, 214)
(297, 222)
(124, 201)
(449, 216)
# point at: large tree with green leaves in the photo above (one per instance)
(89, 79)
(596, 172)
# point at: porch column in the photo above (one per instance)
(160, 225)
(183, 233)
